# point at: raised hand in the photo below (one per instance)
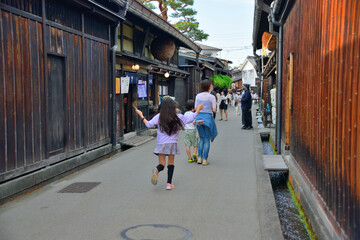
(138, 112)
(199, 108)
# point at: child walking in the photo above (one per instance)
(169, 124)
(190, 139)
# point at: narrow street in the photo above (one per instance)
(79, 79)
(219, 201)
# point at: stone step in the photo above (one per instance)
(136, 141)
(274, 163)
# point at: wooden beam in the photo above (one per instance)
(144, 43)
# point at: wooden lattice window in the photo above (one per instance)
(96, 27)
(63, 13)
(33, 7)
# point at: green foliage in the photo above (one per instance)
(150, 5)
(222, 81)
(187, 24)
(191, 30)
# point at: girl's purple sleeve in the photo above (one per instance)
(153, 122)
(189, 118)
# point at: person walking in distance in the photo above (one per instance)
(217, 99)
(224, 102)
(246, 101)
(207, 130)
(237, 103)
(215, 95)
(190, 138)
(169, 124)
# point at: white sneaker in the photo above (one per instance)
(205, 163)
(199, 161)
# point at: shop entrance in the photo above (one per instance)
(137, 96)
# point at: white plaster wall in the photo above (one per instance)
(249, 74)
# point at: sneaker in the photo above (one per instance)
(154, 176)
(199, 161)
(190, 160)
(195, 158)
(244, 127)
(205, 163)
(169, 186)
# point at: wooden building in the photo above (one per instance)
(320, 108)
(61, 64)
(135, 59)
(202, 66)
(210, 65)
(236, 76)
(55, 81)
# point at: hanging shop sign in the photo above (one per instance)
(134, 77)
(125, 81)
(142, 90)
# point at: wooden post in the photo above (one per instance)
(288, 103)
(291, 81)
(47, 134)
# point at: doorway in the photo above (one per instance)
(56, 104)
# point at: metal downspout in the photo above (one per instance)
(279, 81)
(261, 82)
(113, 86)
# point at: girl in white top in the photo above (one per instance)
(190, 138)
(225, 100)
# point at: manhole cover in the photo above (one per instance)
(156, 232)
(79, 187)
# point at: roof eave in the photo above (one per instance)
(140, 10)
(260, 8)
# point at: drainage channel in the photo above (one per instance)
(292, 226)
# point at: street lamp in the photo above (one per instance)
(135, 67)
(166, 75)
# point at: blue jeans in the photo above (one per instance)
(204, 144)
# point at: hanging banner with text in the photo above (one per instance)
(125, 81)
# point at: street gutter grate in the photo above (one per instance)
(79, 187)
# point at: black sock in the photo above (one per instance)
(160, 167)
(170, 173)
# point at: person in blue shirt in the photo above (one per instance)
(246, 101)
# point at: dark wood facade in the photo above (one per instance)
(322, 108)
(55, 83)
(192, 85)
(135, 37)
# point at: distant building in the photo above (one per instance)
(208, 61)
(248, 71)
(208, 50)
(236, 76)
